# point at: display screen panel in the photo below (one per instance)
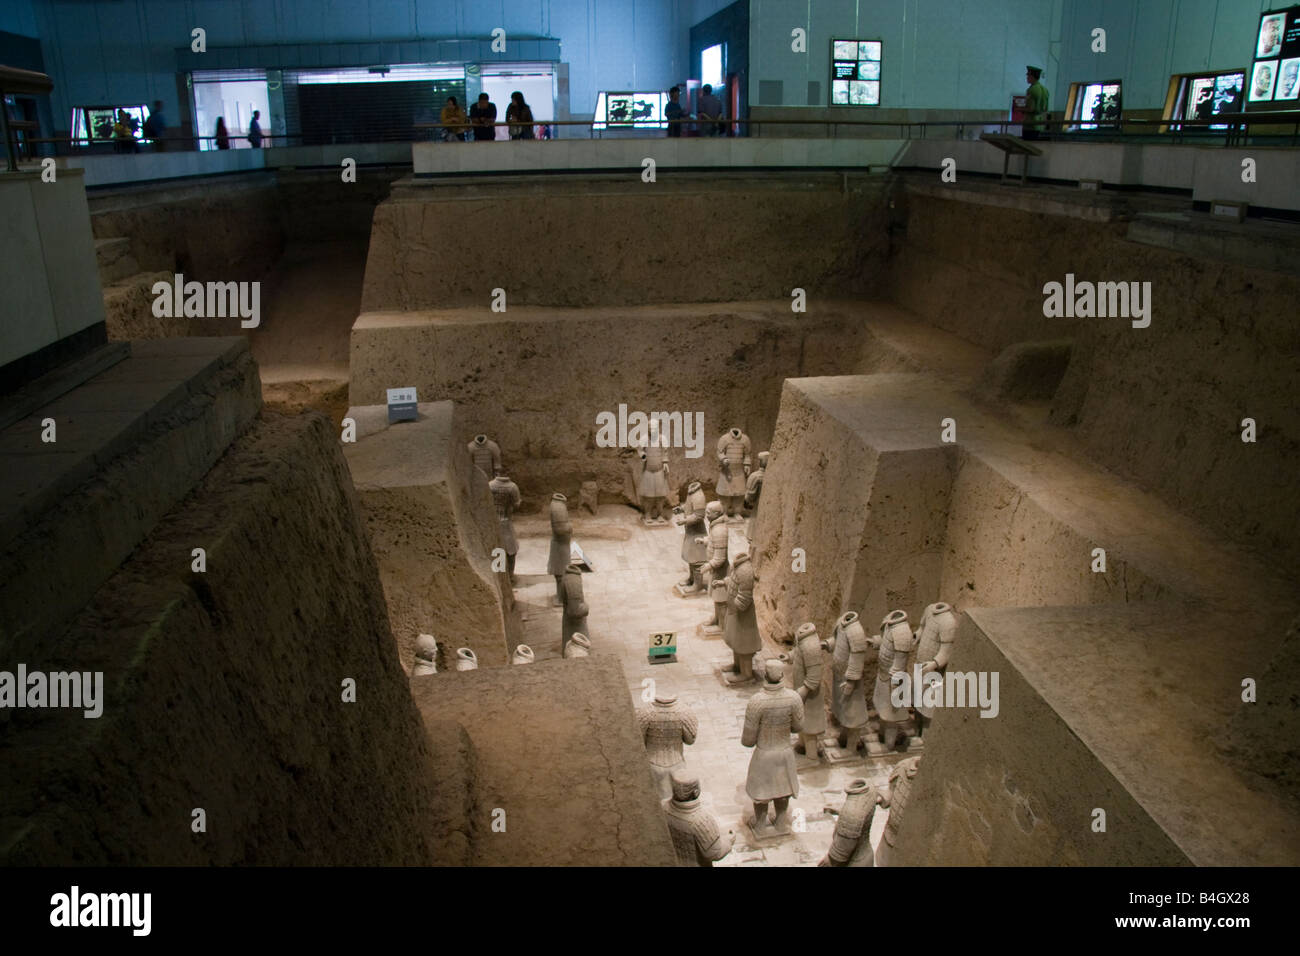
(855, 72)
(1274, 81)
(1100, 104)
(630, 110)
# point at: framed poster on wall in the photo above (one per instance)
(855, 72)
(1273, 82)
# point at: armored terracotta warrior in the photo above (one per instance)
(697, 839)
(849, 650)
(754, 488)
(695, 549)
(561, 536)
(665, 727)
(466, 659)
(741, 628)
(574, 620)
(806, 661)
(652, 483)
(900, 787)
(579, 646)
(851, 842)
(426, 656)
(934, 643)
(505, 498)
(486, 455)
(771, 716)
(523, 655)
(733, 469)
(896, 642)
(714, 572)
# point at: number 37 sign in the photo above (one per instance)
(663, 647)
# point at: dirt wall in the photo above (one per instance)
(536, 379)
(1162, 405)
(625, 242)
(224, 691)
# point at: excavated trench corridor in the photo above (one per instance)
(920, 311)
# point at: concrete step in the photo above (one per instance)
(115, 259)
(128, 444)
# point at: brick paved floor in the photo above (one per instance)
(630, 594)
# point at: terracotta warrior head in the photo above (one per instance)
(685, 783)
(774, 671)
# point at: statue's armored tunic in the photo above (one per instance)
(486, 455)
(716, 566)
(849, 662)
(694, 527)
(851, 842)
(665, 727)
(697, 841)
(741, 628)
(575, 606)
(807, 663)
(505, 498)
(900, 786)
(733, 463)
(654, 479)
(771, 716)
(896, 642)
(561, 533)
(934, 643)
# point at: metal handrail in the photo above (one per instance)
(1233, 127)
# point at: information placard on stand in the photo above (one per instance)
(402, 405)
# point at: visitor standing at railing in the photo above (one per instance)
(255, 131)
(453, 121)
(223, 137)
(1036, 98)
(709, 112)
(482, 116)
(673, 112)
(155, 126)
(123, 133)
(520, 117)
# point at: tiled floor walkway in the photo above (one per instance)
(631, 595)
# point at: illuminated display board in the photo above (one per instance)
(855, 72)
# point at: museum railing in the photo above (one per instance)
(1229, 129)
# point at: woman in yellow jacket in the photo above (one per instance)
(454, 122)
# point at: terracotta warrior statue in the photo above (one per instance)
(851, 842)
(426, 656)
(695, 549)
(714, 571)
(505, 498)
(466, 659)
(900, 786)
(665, 727)
(771, 716)
(652, 483)
(486, 455)
(806, 660)
(579, 646)
(754, 488)
(561, 536)
(733, 469)
(896, 642)
(574, 620)
(697, 839)
(523, 655)
(934, 642)
(849, 649)
(741, 628)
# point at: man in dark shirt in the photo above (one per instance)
(674, 111)
(709, 112)
(481, 116)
